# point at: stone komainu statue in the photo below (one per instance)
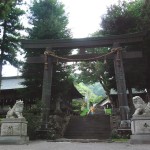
(141, 107)
(16, 110)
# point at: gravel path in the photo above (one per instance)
(44, 145)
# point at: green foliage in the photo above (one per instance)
(33, 117)
(80, 107)
(92, 72)
(10, 33)
(96, 99)
(128, 17)
(108, 111)
(33, 125)
(5, 7)
(53, 130)
(97, 89)
(76, 105)
(86, 91)
(56, 126)
(49, 21)
(119, 20)
(84, 112)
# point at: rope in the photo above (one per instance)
(50, 53)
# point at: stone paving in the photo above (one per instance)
(44, 145)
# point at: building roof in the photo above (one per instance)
(11, 83)
(134, 91)
(14, 82)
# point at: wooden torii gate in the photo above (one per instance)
(107, 41)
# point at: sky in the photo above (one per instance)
(85, 15)
(84, 19)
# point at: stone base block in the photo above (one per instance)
(14, 127)
(140, 139)
(140, 125)
(17, 140)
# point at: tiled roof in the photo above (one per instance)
(134, 91)
(12, 83)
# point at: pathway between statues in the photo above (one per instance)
(44, 145)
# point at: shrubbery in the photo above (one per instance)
(33, 116)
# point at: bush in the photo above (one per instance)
(56, 126)
(34, 123)
(33, 116)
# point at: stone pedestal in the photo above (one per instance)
(14, 131)
(140, 127)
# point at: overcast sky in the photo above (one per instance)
(85, 15)
(84, 18)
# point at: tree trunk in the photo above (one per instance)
(107, 91)
(2, 51)
(58, 109)
(1, 61)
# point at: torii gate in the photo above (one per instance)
(113, 41)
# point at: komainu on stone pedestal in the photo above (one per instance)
(140, 122)
(14, 126)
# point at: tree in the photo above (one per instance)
(86, 91)
(5, 7)
(96, 71)
(10, 32)
(82, 106)
(126, 18)
(93, 72)
(121, 18)
(49, 21)
(97, 89)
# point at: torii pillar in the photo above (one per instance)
(46, 91)
(121, 87)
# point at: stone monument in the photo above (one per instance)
(140, 122)
(14, 126)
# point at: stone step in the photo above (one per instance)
(89, 127)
